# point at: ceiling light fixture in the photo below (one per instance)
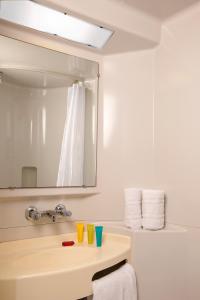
(33, 15)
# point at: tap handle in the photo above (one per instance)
(32, 213)
(61, 210)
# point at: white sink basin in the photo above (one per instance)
(42, 269)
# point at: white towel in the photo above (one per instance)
(153, 195)
(153, 209)
(133, 210)
(119, 285)
(153, 223)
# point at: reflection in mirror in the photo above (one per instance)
(48, 117)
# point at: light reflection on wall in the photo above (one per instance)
(93, 124)
(44, 125)
(109, 119)
(31, 132)
(8, 125)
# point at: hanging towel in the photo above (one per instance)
(133, 216)
(119, 285)
(153, 209)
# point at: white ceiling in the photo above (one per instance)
(161, 9)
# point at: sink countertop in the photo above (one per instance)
(35, 268)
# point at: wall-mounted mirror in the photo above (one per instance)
(48, 117)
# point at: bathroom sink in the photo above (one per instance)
(41, 268)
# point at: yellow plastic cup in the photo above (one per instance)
(90, 233)
(80, 231)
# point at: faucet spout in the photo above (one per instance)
(51, 214)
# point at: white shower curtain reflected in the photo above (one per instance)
(70, 172)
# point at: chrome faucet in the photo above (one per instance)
(62, 211)
(50, 213)
(33, 214)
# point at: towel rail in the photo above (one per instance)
(109, 270)
(105, 272)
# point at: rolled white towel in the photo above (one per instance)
(133, 210)
(135, 224)
(154, 195)
(133, 194)
(153, 223)
(153, 209)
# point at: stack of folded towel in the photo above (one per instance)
(133, 217)
(153, 209)
(144, 208)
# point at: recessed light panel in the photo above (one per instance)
(42, 18)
